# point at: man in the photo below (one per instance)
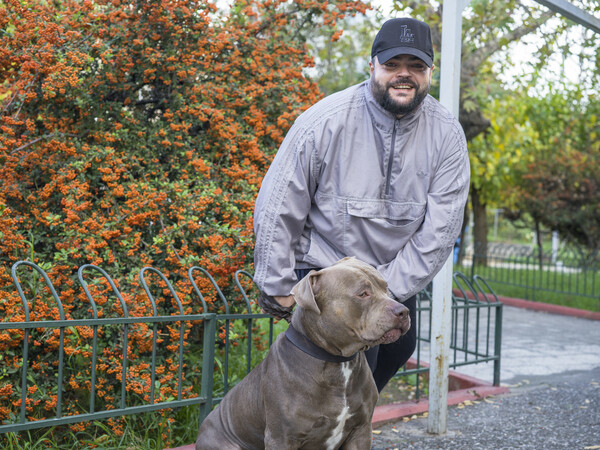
(379, 171)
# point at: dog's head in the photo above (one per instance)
(346, 308)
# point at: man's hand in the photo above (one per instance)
(286, 302)
(280, 307)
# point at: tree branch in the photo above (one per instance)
(35, 141)
(493, 45)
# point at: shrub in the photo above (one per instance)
(133, 134)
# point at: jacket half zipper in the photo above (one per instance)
(388, 180)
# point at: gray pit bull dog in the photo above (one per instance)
(314, 390)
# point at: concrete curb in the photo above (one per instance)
(537, 306)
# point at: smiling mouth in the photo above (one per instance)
(402, 87)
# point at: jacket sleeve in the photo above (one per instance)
(281, 210)
(425, 253)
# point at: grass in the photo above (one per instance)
(146, 431)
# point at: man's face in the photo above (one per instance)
(400, 84)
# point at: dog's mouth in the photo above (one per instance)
(394, 334)
(391, 336)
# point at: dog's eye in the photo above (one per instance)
(364, 294)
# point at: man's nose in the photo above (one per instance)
(403, 70)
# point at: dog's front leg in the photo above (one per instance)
(359, 439)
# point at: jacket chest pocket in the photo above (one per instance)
(382, 225)
(394, 214)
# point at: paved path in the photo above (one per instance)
(539, 343)
(550, 413)
(552, 364)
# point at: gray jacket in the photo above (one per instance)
(352, 180)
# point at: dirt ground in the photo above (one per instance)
(402, 389)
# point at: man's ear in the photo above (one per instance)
(304, 293)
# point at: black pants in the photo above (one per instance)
(385, 359)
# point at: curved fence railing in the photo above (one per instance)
(106, 354)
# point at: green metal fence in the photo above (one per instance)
(172, 336)
(476, 332)
(520, 271)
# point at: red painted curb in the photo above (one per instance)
(394, 412)
(550, 308)
(538, 306)
(460, 388)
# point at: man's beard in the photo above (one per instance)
(382, 96)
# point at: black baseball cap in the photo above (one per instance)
(403, 36)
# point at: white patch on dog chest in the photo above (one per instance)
(338, 432)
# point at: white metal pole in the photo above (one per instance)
(441, 308)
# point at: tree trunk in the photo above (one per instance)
(463, 232)
(538, 237)
(480, 229)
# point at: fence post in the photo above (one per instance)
(208, 365)
(497, 343)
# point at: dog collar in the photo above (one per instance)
(312, 349)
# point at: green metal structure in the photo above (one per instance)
(476, 338)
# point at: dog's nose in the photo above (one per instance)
(400, 310)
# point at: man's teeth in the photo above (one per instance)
(403, 86)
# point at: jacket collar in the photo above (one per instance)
(310, 348)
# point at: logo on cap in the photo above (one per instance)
(406, 35)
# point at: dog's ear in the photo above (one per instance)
(303, 292)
